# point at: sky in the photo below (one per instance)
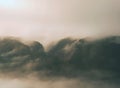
(50, 20)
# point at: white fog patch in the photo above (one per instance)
(60, 83)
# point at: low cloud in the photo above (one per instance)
(69, 63)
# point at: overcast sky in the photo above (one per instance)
(48, 20)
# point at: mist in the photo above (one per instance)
(59, 44)
(68, 63)
(59, 83)
(47, 21)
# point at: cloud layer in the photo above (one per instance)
(66, 64)
(69, 57)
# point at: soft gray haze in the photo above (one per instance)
(48, 20)
(70, 63)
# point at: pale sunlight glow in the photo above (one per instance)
(11, 4)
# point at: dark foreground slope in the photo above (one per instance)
(97, 59)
